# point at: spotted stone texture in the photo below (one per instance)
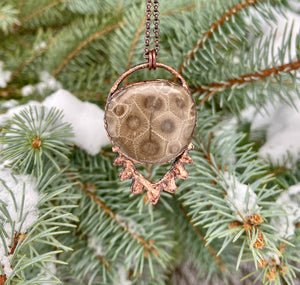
(151, 122)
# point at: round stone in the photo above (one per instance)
(152, 122)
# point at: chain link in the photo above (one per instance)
(156, 21)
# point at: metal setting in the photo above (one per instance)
(117, 83)
(127, 127)
(140, 183)
(129, 171)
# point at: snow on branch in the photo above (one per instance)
(18, 212)
(47, 83)
(241, 199)
(283, 136)
(86, 119)
(289, 200)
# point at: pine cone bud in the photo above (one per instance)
(271, 274)
(260, 242)
(256, 219)
(36, 143)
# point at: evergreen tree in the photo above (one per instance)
(64, 214)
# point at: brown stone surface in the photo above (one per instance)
(151, 122)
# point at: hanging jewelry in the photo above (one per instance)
(151, 122)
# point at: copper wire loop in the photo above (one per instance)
(152, 60)
(135, 68)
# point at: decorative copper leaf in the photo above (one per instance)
(140, 183)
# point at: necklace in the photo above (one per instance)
(151, 122)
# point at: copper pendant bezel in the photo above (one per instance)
(115, 91)
(129, 171)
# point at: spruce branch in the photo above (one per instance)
(83, 44)
(30, 230)
(215, 26)
(20, 5)
(179, 10)
(210, 249)
(147, 244)
(32, 57)
(134, 43)
(209, 202)
(247, 78)
(41, 10)
(8, 17)
(35, 136)
(138, 240)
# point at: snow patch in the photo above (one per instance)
(87, 119)
(290, 21)
(23, 219)
(123, 277)
(281, 123)
(282, 146)
(40, 46)
(95, 244)
(15, 110)
(4, 76)
(9, 104)
(290, 201)
(47, 83)
(241, 199)
(131, 225)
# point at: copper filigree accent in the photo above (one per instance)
(140, 183)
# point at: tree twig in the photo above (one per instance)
(214, 27)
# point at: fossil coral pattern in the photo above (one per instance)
(151, 122)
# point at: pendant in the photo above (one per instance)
(151, 122)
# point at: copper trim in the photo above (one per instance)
(154, 190)
(146, 65)
(152, 60)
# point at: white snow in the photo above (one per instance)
(15, 110)
(40, 46)
(132, 226)
(290, 20)
(47, 83)
(4, 76)
(9, 104)
(281, 123)
(271, 257)
(123, 277)
(240, 197)
(87, 119)
(282, 145)
(95, 244)
(13, 207)
(290, 201)
(51, 266)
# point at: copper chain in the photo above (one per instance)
(156, 21)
